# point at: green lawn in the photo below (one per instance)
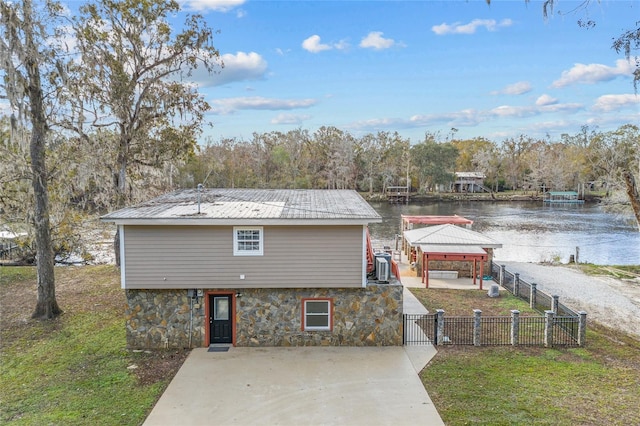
(71, 370)
(594, 385)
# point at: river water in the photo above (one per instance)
(532, 231)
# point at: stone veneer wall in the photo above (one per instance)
(370, 316)
(161, 318)
(465, 269)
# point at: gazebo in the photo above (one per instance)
(449, 243)
(453, 254)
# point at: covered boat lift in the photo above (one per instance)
(408, 222)
(571, 197)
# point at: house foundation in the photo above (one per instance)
(370, 316)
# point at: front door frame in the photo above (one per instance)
(207, 306)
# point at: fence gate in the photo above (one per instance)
(420, 329)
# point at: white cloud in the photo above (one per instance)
(239, 67)
(546, 100)
(513, 111)
(532, 110)
(289, 119)
(231, 105)
(313, 44)
(593, 73)
(607, 103)
(241, 13)
(215, 5)
(556, 107)
(281, 52)
(471, 27)
(374, 40)
(518, 88)
(466, 117)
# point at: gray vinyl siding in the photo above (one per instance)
(202, 257)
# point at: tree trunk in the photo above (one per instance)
(120, 174)
(120, 183)
(632, 193)
(116, 247)
(46, 306)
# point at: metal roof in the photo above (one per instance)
(249, 206)
(448, 234)
(436, 220)
(562, 193)
(478, 175)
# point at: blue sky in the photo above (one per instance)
(418, 66)
(493, 71)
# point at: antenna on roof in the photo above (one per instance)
(200, 186)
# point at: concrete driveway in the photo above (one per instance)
(299, 386)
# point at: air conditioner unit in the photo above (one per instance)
(382, 269)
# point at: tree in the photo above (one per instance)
(489, 161)
(334, 153)
(615, 154)
(435, 162)
(467, 150)
(515, 165)
(296, 143)
(130, 79)
(396, 159)
(26, 53)
(628, 42)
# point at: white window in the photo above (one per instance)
(248, 241)
(316, 314)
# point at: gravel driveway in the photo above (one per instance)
(607, 300)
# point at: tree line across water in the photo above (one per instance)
(335, 159)
(82, 171)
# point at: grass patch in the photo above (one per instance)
(73, 370)
(502, 385)
(617, 271)
(463, 302)
(10, 274)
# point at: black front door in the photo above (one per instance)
(220, 318)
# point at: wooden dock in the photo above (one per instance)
(398, 194)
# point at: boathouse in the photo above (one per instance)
(409, 222)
